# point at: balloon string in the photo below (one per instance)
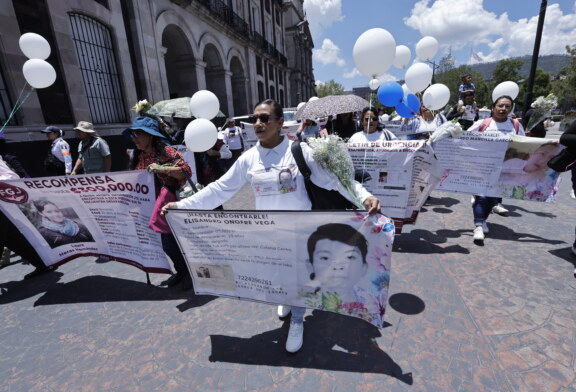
(17, 105)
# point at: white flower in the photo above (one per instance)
(451, 129)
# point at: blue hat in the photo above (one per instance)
(50, 129)
(146, 124)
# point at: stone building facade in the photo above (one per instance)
(108, 54)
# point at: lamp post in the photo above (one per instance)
(434, 66)
(535, 53)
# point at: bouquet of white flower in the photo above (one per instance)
(332, 155)
(542, 107)
(141, 106)
(451, 129)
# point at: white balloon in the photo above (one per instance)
(34, 46)
(300, 105)
(403, 55)
(505, 88)
(374, 52)
(313, 99)
(204, 104)
(200, 135)
(436, 96)
(418, 77)
(39, 73)
(374, 84)
(406, 89)
(427, 48)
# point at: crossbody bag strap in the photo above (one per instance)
(296, 149)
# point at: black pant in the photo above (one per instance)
(170, 247)
(11, 238)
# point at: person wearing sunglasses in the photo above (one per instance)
(370, 130)
(260, 167)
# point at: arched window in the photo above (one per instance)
(97, 60)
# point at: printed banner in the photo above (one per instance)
(249, 135)
(189, 158)
(491, 164)
(104, 214)
(334, 261)
(402, 175)
(394, 127)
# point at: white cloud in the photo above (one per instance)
(352, 74)
(460, 23)
(319, 83)
(321, 14)
(329, 53)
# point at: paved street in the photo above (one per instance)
(461, 317)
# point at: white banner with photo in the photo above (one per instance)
(334, 261)
(490, 164)
(104, 214)
(189, 158)
(402, 175)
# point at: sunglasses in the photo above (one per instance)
(371, 118)
(136, 134)
(264, 118)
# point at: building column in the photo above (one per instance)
(164, 86)
(229, 93)
(201, 74)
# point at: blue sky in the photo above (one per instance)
(495, 29)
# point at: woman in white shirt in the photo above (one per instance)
(370, 129)
(500, 123)
(421, 126)
(260, 166)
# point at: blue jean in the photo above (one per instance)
(297, 315)
(482, 207)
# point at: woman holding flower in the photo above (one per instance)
(153, 154)
(260, 166)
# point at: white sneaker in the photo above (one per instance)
(473, 199)
(485, 228)
(478, 234)
(500, 210)
(283, 310)
(295, 337)
(572, 195)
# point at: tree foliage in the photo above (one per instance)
(565, 87)
(506, 70)
(329, 88)
(541, 87)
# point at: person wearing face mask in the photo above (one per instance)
(499, 122)
(261, 167)
(58, 160)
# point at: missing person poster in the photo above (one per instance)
(334, 261)
(104, 214)
(490, 164)
(402, 173)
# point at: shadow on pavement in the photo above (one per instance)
(564, 253)
(501, 232)
(424, 242)
(513, 211)
(331, 342)
(108, 289)
(442, 201)
(23, 289)
(406, 303)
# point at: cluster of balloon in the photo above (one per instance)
(201, 134)
(37, 71)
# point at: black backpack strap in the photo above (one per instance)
(303, 168)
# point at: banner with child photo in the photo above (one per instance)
(334, 261)
(513, 167)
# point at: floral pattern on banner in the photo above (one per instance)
(372, 294)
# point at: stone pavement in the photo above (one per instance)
(462, 317)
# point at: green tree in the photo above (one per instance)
(565, 87)
(541, 87)
(329, 88)
(506, 70)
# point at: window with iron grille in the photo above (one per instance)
(97, 60)
(5, 104)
